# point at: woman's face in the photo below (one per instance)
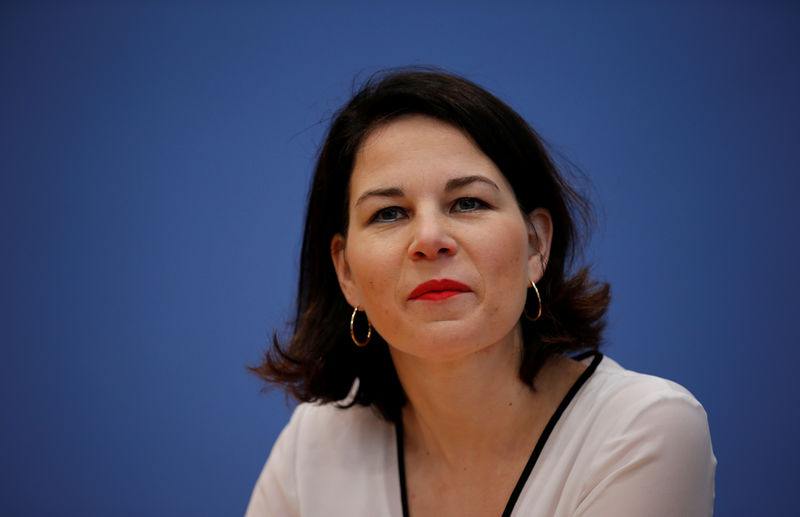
(437, 251)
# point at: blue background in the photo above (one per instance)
(154, 170)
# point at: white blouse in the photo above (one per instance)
(626, 444)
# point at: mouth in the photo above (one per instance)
(438, 290)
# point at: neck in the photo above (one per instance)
(474, 407)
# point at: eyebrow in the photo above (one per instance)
(453, 184)
(380, 192)
(457, 183)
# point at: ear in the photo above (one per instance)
(540, 236)
(343, 272)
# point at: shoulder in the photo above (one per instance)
(642, 435)
(614, 385)
(304, 471)
(618, 398)
(331, 426)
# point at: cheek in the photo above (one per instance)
(507, 268)
(371, 272)
(509, 256)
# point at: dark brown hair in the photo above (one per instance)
(320, 362)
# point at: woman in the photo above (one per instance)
(436, 315)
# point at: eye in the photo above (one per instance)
(387, 215)
(468, 204)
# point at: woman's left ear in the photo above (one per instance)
(540, 236)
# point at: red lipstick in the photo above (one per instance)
(438, 290)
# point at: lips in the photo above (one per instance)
(438, 290)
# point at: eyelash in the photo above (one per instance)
(479, 205)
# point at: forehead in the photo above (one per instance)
(416, 148)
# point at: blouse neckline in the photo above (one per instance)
(537, 450)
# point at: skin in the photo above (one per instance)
(426, 203)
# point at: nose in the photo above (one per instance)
(431, 238)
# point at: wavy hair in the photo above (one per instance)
(319, 362)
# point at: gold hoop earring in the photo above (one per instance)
(353, 335)
(539, 298)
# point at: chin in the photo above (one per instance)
(444, 347)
